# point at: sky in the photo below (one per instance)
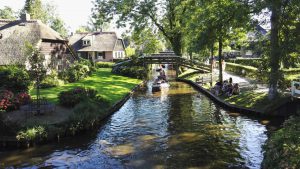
(74, 12)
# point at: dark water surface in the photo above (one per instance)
(175, 128)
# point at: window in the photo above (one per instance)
(86, 43)
(100, 55)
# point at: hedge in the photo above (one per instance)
(247, 71)
(255, 62)
(291, 71)
(104, 64)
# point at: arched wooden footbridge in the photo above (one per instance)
(171, 58)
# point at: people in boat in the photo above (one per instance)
(162, 73)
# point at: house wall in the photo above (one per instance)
(119, 54)
(55, 55)
(109, 56)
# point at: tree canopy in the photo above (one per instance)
(7, 13)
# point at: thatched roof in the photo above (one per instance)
(16, 33)
(100, 41)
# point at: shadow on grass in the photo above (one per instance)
(254, 100)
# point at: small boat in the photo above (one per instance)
(156, 87)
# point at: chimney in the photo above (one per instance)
(25, 17)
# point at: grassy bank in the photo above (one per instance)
(283, 147)
(249, 97)
(108, 85)
(69, 121)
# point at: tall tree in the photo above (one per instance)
(166, 15)
(146, 41)
(214, 21)
(46, 13)
(284, 19)
(7, 13)
(36, 10)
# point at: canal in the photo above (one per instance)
(175, 128)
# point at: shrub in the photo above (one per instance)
(37, 133)
(283, 147)
(14, 78)
(6, 101)
(11, 102)
(254, 62)
(77, 71)
(291, 71)
(51, 80)
(23, 98)
(104, 64)
(134, 71)
(72, 97)
(247, 71)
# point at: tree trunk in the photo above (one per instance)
(275, 49)
(176, 44)
(191, 55)
(220, 59)
(211, 65)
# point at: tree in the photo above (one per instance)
(37, 69)
(82, 29)
(214, 21)
(146, 41)
(166, 15)
(59, 25)
(7, 13)
(46, 13)
(36, 10)
(284, 21)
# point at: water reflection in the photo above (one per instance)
(174, 128)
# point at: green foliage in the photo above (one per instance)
(104, 64)
(146, 41)
(247, 71)
(112, 87)
(46, 12)
(7, 13)
(77, 71)
(85, 115)
(14, 78)
(130, 51)
(254, 62)
(138, 72)
(283, 148)
(37, 133)
(51, 80)
(74, 96)
(59, 26)
(144, 15)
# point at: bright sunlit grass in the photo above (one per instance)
(108, 85)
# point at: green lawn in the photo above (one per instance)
(254, 100)
(110, 86)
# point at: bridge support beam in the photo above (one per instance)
(177, 70)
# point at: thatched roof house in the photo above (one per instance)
(98, 46)
(15, 33)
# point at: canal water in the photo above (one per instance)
(175, 128)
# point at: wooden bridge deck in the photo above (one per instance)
(169, 58)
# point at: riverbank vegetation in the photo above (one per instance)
(250, 96)
(79, 106)
(283, 147)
